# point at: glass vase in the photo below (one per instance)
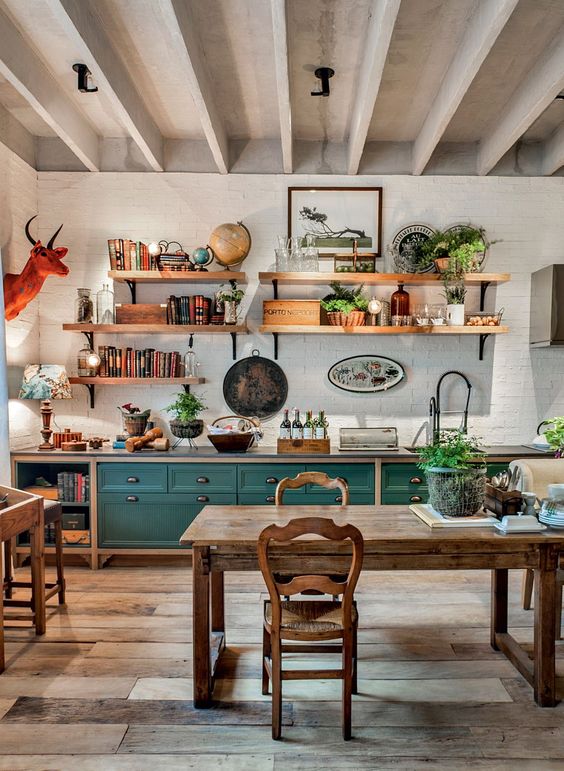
(83, 307)
(105, 305)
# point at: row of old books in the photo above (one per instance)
(128, 362)
(193, 309)
(130, 255)
(73, 487)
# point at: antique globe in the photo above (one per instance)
(230, 243)
(201, 257)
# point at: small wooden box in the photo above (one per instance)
(141, 313)
(81, 537)
(296, 446)
(51, 493)
(65, 436)
(502, 502)
(292, 312)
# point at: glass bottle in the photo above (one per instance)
(308, 426)
(286, 427)
(88, 362)
(321, 426)
(190, 363)
(105, 305)
(83, 307)
(310, 254)
(297, 428)
(400, 302)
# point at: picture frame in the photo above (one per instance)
(337, 216)
(366, 374)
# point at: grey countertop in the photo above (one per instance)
(207, 454)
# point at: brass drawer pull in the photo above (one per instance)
(338, 499)
(416, 499)
(132, 499)
(132, 480)
(202, 499)
(269, 499)
(271, 481)
(415, 481)
(202, 480)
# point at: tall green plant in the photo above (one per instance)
(451, 449)
(187, 407)
(555, 435)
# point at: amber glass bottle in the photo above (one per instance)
(400, 302)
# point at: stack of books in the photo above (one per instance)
(128, 362)
(178, 261)
(130, 255)
(73, 487)
(195, 309)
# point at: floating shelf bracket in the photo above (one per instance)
(275, 340)
(133, 289)
(234, 344)
(483, 339)
(92, 391)
(90, 337)
(483, 288)
(275, 288)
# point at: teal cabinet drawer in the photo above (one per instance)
(404, 499)
(196, 477)
(147, 521)
(263, 477)
(134, 477)
(402, 477)
(358, 476)
(295, 497)
(327, 497)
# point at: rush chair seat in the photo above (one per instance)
(307, 621)
(53, 516)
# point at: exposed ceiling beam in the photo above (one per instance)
(553, 155)
(280, 38)
(544, 81)
(177, 16)
(28, 75)
(87, 36)
(484, 27)
(378, 36)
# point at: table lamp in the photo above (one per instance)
(45, 382)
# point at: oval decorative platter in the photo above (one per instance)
(366, 374)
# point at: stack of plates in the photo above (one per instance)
(551, 516)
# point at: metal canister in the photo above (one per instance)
(384, 318)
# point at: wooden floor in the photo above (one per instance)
(109, 686)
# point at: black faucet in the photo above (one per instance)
(435, 405)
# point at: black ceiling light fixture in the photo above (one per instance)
(323, 74)
(84, 76)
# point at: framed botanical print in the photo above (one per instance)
(337, 216)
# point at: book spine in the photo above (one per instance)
(60, 486)
(126, 254)
(192, 309)
(112, 253)
(132, 255)
(118, 362)
(206, 310)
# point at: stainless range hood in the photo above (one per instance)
(547, 307)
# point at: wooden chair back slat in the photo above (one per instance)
(312, 478)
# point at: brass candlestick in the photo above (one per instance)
(46, 431)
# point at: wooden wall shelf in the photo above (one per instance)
(384, 279)
(92, 382)
(134, 277)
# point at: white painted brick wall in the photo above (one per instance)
(514, 387)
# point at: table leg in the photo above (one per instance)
(498, 605)
(201, 626)
(37, 540)
(545, 618)
(217, 603)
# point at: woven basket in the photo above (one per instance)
(457, 492)
(352, 319)
(186, 429)
(135, 425)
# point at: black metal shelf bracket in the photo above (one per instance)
(90, 337)
(186, 387)
(133, 289)
(234, 344)
(275, 340)
(483, 339)
(483, 287)
(275, 288)
(92, 391)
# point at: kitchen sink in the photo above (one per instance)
(414, 450)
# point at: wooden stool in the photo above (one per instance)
(53, 516)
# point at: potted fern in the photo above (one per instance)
(455, 469)
(345, 307)
(185, 423)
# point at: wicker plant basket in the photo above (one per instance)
(457, 492)
(135, 425)
(441, 264)
(186, 429)
(352, 319)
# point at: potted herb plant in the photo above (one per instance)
(455, 292)
(230, 297)
(555, 435)
(185, 423)
(455, 469)
(465, 245)
(345, 307)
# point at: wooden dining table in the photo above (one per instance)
(224, 538)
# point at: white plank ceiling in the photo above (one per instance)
(420, 86)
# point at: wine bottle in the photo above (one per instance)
(308, 426)
(285, 427)
(297, 428)
(321, 426)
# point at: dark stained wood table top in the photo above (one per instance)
(383, 528)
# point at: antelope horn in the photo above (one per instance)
(28, 234)
(53, 237)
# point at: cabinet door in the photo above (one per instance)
(148, 521)
(405, 499)
(204, 477)
(262, 479)
(296, 498)
(132, 477)
(358, 476)
(403, 483)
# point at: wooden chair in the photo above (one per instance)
(53, 513)
(309, 620)
(313, 478)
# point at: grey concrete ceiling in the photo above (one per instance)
(421, 86)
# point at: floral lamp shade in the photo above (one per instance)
(45, 381)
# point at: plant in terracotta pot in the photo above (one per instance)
(185, 423)
(455, 469)
(345, 307)
(230, 297)
(464, 244)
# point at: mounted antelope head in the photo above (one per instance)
(21, 288)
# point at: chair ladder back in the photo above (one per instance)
(319, 478)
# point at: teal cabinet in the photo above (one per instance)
(403, 483)
(358, 476)
(200, 477)
(132, 477)
(261, 479)
(295, 497)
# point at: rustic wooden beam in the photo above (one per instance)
(553, 153)
(280, 50)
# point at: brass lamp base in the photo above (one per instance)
(46, 431)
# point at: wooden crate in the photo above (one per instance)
(296, 446)
(141, 313)
(291, 312)
(502, 502)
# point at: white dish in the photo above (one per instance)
(558, 524)
(524, 523)
(525, 529)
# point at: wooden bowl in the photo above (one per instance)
(231, 442)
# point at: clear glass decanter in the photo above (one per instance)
(105, 305)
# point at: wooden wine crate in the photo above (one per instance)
(296, 446)
(502, 502)
(141, 313)
(291, 312)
